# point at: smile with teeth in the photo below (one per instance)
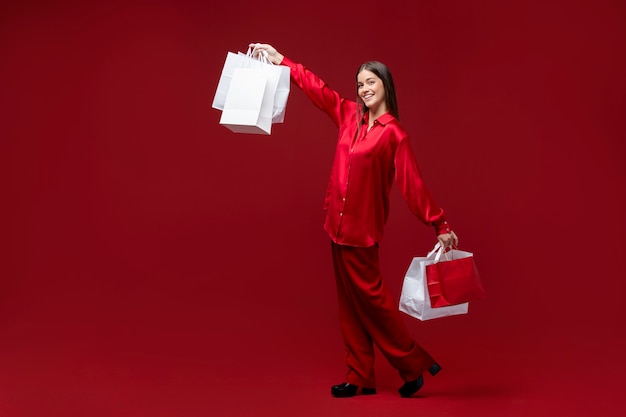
(368, 96)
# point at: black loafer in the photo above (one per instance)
(350, 390)
(411, 387)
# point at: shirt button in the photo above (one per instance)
(343, 199)
(340, 213)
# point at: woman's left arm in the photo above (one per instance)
(417, 195)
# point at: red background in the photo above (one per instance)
(154, 263)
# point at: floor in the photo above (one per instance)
(54, 369)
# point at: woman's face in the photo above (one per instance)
(371, 90)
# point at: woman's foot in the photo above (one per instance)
(350, 390)
(411, 387)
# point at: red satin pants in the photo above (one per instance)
(369, 315)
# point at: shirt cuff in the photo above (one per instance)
(442, 227)
(286, 62)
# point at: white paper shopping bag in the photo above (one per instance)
(415, 300)
(282, 87)
(232, 61)
(283, 83)
(247, 60)
(249, 101)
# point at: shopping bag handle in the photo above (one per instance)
(263, 56)
(441, 250)
(434, 250)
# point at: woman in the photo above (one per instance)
(372, 150)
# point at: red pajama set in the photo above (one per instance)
(357, 204)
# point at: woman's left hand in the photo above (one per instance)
(448, 239)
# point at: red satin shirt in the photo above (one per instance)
(357, 199)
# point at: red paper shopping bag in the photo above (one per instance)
(454, 280)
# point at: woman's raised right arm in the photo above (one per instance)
(315, 88)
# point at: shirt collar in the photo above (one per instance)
(383, 120)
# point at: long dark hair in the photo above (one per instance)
(384, 74)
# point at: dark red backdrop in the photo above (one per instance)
(154, 263)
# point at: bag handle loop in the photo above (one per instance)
(263, 56)
(434, 249)
(441, 250)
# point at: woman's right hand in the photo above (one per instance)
(272, 54)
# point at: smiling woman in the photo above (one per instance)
(371, 90)
(376, 90)
(153, 263)
(357, 204)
